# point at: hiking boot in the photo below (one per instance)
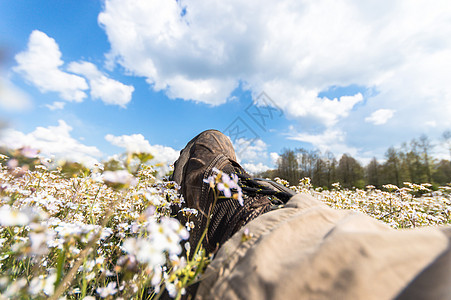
(208, 151)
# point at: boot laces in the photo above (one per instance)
(253, 187)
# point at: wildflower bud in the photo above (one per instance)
(246, 236)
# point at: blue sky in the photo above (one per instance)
(87, 79)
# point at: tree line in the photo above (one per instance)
(411, 162)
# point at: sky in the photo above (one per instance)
(85, 80)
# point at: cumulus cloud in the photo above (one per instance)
(333, 140)
(56, 105)
(41, 65)
(255, 168)
(106, 89)
(250, 151)
(274, 157)
(52, 141)
(380, 116)
(292, 50)
(253, 155)
(12, 98)
(164, 40)
(137, 143)
(299, 102)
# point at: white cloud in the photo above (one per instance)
(56, 105)
(106, 89)
(137, 143)
(380, 116)
(333, 140)
(293, 50)
(250, 151)
(274, 158)
(441, 150)
(299, 102)
(253, 155)
(431, 123)
(131, 143)
(40, 64)
(52, 141)
(255, 168)
(12, 98)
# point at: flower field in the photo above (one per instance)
(109, 234)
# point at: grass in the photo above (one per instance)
(111, 235)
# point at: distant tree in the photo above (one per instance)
(410, 165)
(418, 174)
(310, 165)
(392, 167)
(287, 167)
(331, 168)
(350, 172)
(442, 172)
(319, 172)
(446, 136)
(372, 173)
(426, 148)
(411, 162)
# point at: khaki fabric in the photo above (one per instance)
(307, 250)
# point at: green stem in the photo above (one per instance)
(160, 293)
(84, 283)
(198, 270)
(186, 282)
(92, 206)
(67, 280)
(205, 230)
(60, 267)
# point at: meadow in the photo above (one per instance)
(109, 233)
